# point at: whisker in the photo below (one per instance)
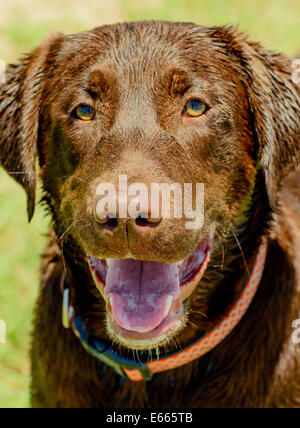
(67, 230)
(149, 355)
(20, 173)
(138, 357)
(157, 351)
(174, 341)
(191, 311)
(223, 249)
(241, 250)
(86, 225)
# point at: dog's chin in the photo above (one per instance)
(145, 300)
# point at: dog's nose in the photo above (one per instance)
(111, 221)
(123, 210)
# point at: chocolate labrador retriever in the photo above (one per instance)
(149, 310)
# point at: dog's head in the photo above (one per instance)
(149, 103)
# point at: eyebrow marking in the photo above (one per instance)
(92, 93)
(99, 82)
(177, 82)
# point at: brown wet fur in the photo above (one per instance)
(138, 77)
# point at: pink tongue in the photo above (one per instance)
(139, 292)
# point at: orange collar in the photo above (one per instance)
(137, 371)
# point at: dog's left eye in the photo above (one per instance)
(194, 108)
(84, 112)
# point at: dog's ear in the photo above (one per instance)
(274, 98)
(20, 101)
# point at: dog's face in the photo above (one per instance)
(157, 103)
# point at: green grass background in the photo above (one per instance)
(23, 25)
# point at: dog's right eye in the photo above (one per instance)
(85, 112)
(194, 108)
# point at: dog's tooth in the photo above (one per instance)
(168, 305)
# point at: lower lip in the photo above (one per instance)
(166, 326)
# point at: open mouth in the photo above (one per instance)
(144, 298)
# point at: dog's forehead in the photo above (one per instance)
(140, 49)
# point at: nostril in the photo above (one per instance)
(147, 222)
(110, 222)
